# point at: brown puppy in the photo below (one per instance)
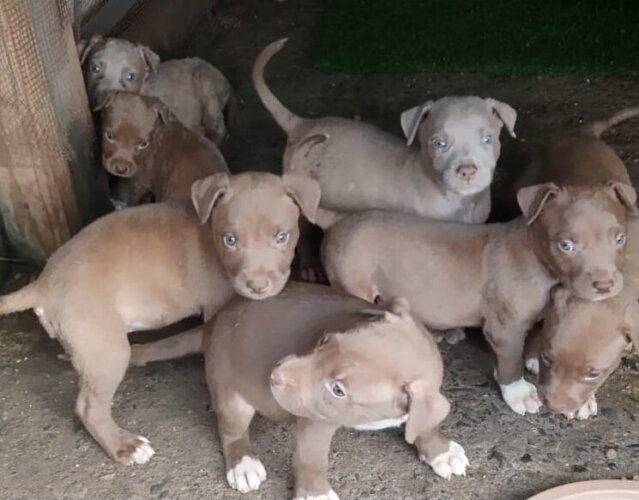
(321, 357)
(497, 276)
(149, 266)
(582, 343)
(144, 142)
(194, 90)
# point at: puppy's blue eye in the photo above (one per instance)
(439, 143)
(282, 237)
(620, 239)
(567, 246)
(230, 240)
(487, 139)
(336, 389)
(130, 76)
(94, 68)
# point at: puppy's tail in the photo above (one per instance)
(176, 346)
(282, 115)
(21, 300)
(327, 218)
(597, 127)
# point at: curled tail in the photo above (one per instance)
(326, 218)
(597, 127)
(282, 115)
(176, 346)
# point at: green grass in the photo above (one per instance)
(499, 37)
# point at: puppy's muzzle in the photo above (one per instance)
(603, 287)
(258, 286)
(121, 167)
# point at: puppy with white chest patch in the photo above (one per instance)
(150, 266)
(581, 343)
(145, 144)
(321, 358)
(194, 90)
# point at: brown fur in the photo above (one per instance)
(149, 266)
(194, 90)
(497, 276)
(280, 357)
(142, 141)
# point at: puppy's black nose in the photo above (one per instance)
(603, 286)
(466, 172)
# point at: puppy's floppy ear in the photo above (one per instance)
(624, 193)
(426, 409)
(412, 118)
(206, 192)
(86, 46)
(505, 113)
(162, 111)
(305, 192)
(151, 59)
(533, 198)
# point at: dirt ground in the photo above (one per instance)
(46, 453)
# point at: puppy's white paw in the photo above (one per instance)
(331, 495)
(118, 204)
(589, 409)
(532, 365)
(453, 461)
(521, 396)
(247, 475)
(143, 452)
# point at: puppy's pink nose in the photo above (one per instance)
(258, 287)
(466, 172)
(121, 167)
(603, 287)
(277, 378)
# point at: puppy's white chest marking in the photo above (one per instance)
(382, 424)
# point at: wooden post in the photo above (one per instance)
(50, 183)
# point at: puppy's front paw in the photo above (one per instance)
(521, 396)
(134, 449)
(453, 461)
(331, 495)
(532, 365)
(118, 204)
(589, 409)
(247, 475)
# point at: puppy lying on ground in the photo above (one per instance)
(150, 266)
(497, 276)
(195, 91)
(582, 343)
(321, 357)
(144, 142)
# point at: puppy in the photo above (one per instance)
(144, 142)
(494, 276)
(581, 343)
(195, 91)
(150, 266)
(320, 358)
(361, 167)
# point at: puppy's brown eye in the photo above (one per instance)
(324, 339)
(144, 144)
(336, 389)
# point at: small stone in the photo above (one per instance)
(635, 478)
(156, 488)
(611, 454)
(613, 466)
(526, 458)
(578, 468)
(107, 477)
